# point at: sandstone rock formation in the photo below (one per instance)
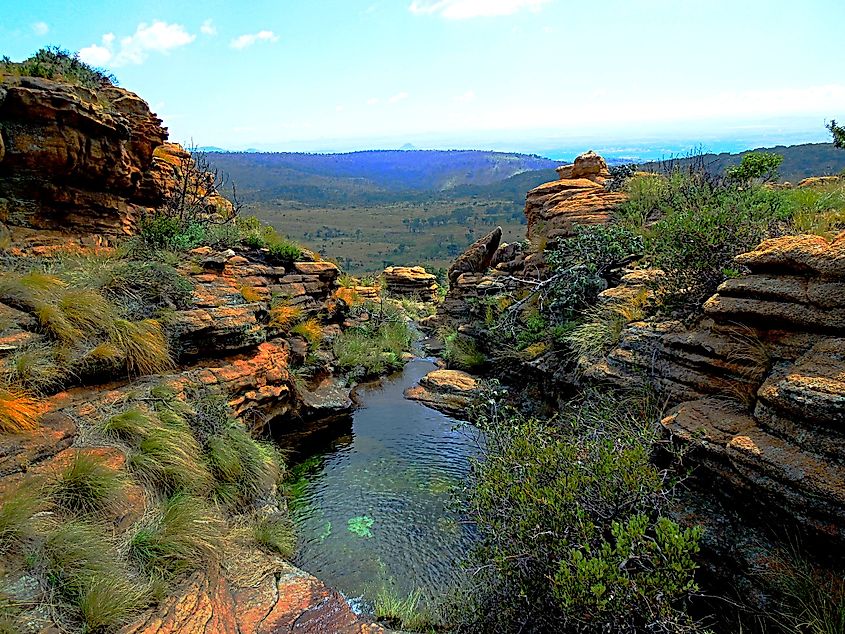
(76, 159)
(477, 257)
(410, 281)
(449, 391)
(577, 198)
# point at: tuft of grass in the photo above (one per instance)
(243, 467)
(27, 289)
(814, 600)
(250, 294)
(144, 345)
(35, 367)
(19, 411)
(87, 485)
(461, 351)
(285, 316)
(17, 508)
(131, 426)
(310, 330)
(170, 459)
(84, 567)
(405, 613)
(603, 326)
(374, 349)
(276, 533)
(185, 535)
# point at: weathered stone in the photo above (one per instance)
(449, 391)
(410, 281)
(477, 257)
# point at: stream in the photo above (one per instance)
(374, 507)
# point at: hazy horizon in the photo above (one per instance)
(537, 76)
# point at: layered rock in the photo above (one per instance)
(449, 391)
(410, 281)
(579, 197)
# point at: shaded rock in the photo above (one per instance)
(478, 256)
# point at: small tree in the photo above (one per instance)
(761, 166)
(838, 133)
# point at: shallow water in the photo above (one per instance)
(374, 508)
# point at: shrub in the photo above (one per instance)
(284, 252)
(87, 485)
(582, 264)
(185, 535)
(19, 411)
(53, 62)
(276, 533)
(755, 166)
(837, 132)
(570, 514)
(310, 330)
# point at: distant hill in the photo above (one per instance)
(799, 161)
(368, 177)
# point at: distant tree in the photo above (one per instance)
(838, 133)
(756, 165)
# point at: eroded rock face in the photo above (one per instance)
(77, 160)
(410, 281)
(477, 257)
(577, 198)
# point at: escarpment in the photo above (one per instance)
(754, 384)
(157, 371)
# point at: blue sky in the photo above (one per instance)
(535, 75)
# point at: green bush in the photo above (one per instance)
(581, 265)
(284, 252)
(571, 518)
(761, 166)
(53, 62)
(462, 352)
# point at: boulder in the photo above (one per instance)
(410, 281)
(478, 256)
(448, 391)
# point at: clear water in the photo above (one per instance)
(375, 508)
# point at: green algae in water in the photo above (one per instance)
(361, 525)
(327, 530)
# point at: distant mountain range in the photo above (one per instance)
(372, 176)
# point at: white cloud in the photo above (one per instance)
(401, 96)
(41, 28)
(248, 39)
(95, 55)
(372, 101)
(158, 37)
(208, 27)
(468, 96)
(463, 9)
(339, 108)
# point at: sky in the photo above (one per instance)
(543, 76)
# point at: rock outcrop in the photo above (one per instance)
(410, 281)
(577, 198)
(449, 391)
(76, 159)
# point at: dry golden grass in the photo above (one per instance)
(144, 344)
(250, 294)
(284, 316)
(310, 330)
(19, 411)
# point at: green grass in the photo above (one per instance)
(37, 367)
(243, 467)
(144, 346)
(310, 330)
(17, 508)
(462, 352)
(275, 533)
(602, 327)
(819, 209)
(376, 350)
(185, 535)
(84, 567)
(404, 613)
(170, 459)
(87, 485)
